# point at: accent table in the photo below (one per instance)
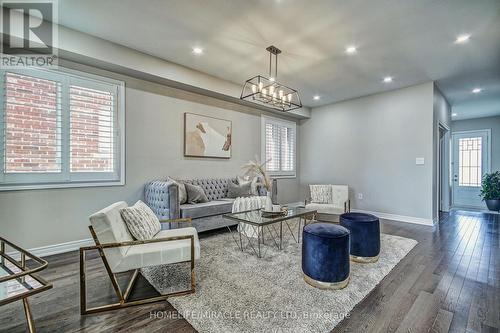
(258, 223)
(18, 281)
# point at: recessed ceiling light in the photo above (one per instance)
(351, 49)
(197, 50)
(388, 79)
(316, 97)
(453, 114)
(462, 39)
(476, 90)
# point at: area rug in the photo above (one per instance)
(238, 292)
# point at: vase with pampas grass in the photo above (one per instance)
(255, 168)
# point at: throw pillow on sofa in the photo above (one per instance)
(239, 190)
(195, 194)
(141, 221)
(182, 190)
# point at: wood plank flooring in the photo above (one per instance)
(448, 283)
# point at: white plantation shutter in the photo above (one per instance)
(272, 147)
(60, 128)
(279, 146)
(92, 130)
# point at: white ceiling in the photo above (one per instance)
(413, 41)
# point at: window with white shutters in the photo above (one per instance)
(279, 146)
(60, 129)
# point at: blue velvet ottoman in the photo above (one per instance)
(325, 255)
(365, 236)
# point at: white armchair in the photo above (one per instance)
(121, 253)
(329, 199)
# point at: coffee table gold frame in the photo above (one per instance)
(22, 272)
(258, 229)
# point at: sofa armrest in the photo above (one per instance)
(163, 198)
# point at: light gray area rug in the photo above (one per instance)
(238, 292)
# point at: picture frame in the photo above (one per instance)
(207, 137)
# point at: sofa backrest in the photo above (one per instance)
(215, 188)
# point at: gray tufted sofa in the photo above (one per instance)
(163, 198)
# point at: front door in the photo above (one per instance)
(470, 163)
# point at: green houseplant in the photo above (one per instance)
(490, 190)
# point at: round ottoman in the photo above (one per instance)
(365, 236)
(325, 255)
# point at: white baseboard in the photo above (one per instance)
(49, 250)
(401, 218)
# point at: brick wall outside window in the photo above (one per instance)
(32, 126)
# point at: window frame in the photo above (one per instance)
(287, 123)
(65, 178)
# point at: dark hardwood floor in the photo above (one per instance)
(448, 283)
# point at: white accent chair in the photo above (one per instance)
(121, 253)
(329, 200)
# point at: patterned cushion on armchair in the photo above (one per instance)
(321, 194)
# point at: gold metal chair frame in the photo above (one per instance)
(124, 296)
(20, 276)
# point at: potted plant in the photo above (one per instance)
(490, 190)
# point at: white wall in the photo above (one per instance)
(492, 123)
(154, 139)
(370, 144)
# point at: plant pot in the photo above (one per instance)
(493, 204)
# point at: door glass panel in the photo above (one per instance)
(470, 161)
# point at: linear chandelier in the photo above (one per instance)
(268, 91)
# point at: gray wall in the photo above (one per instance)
(370, 144)
(97, 52)
(484, 123)
(154, 139)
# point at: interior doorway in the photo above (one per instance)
(471, 160)
(443, 181)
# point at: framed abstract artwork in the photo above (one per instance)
(207, 136)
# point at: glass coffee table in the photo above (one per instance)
(252, 224)
(17, 280)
